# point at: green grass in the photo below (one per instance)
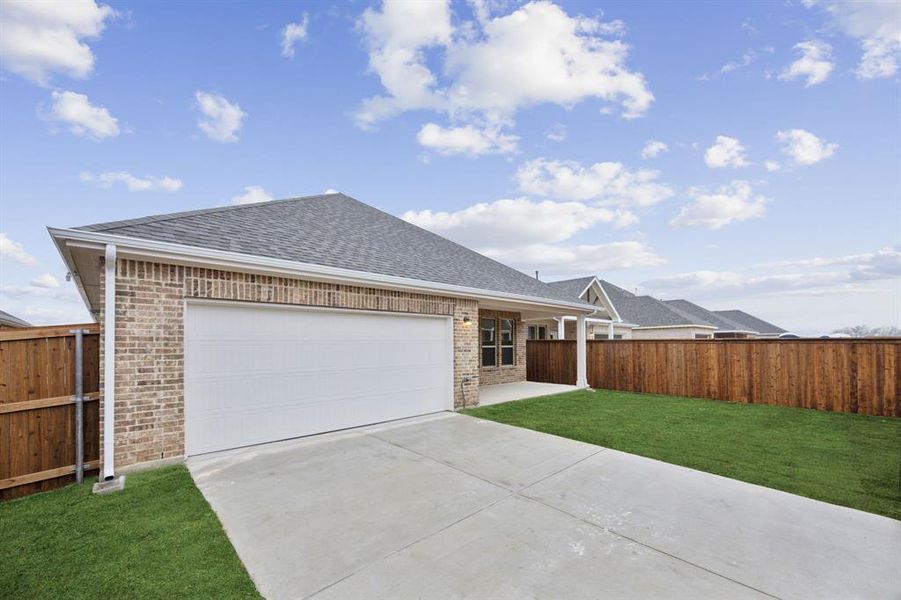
(851, 460)
(158, 538)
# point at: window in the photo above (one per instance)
(537, 332)
(507, 348)
(702, 336)
(489, 343)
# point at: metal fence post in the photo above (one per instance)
(79, 405)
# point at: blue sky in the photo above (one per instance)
(515, 128)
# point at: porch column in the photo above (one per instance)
(581, 355)
(610, 330)
(561, 329)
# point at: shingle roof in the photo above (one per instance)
(754, 323)
(573, 288)
(12, 320)
(334, 230)
(700, 314)
(644, 311)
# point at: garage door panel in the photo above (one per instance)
(256, 373)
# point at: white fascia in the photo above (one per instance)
(129, 247)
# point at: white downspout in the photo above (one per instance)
(610, 330)
(581, 358)
(109, 362)
(561, 329)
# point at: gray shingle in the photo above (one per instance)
(644, 311)
(700, 314)
(9, 320)
(334, 230)
(750, 321)
(573, 288)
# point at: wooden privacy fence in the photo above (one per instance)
(840, 375)
(37, 407)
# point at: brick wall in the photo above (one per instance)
(150, 341)
(508, 374)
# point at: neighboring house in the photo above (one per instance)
(247, 324)
(630, 316)
(725, 327)
(763, 328)
(603, 324)
(8, 321)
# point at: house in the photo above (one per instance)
(8, 321)
(725, 327)
(241, 325)
(604, 323)
(629, 316)
(763, 328)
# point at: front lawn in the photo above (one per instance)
(158, 538)
(851, 460)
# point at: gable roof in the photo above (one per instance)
(334, 230)
(573, 288)
(701, 314)
(8, 320)
(748, 320)
(645, 311)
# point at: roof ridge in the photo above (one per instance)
(199, 211)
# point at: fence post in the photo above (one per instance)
(79, 405)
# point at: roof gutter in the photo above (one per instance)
(129, 247)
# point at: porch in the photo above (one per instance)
(519, 390)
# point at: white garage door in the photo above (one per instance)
(260, 373)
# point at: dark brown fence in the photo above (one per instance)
(840, 375)
(37, 407)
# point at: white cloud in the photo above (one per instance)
(712, 210)
(252, 195)
(803, 147)
(653, 148)
(772, 166)
(527, 234)
(485, 71)
(468, 140)
(608, 183)
(46, 280)
(222, 120)
(516, 222)
(726, 152)
(47, 292)
(882, 263)
(579, 258)
(815, 64)
(557, 133)
(293, 33)
(133, 183)
(42, 38)
(746, 59)
(82, 117)
(877, 26)
(809, 278)
(15, 251)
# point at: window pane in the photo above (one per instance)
(542, 332)
(489, 356)
(488, 327)
(507, 355)
(531, 335)
(506, 332)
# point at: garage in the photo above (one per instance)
(257, 373)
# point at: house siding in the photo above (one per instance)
(508, 374)
(670, 333)
(150, 300)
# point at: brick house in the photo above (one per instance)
(246, 324)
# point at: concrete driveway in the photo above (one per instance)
(448, 506)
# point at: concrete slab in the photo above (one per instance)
(782, 544)
(304, 514)
(519, 390)
(507, 456)
(522, 549)
(448, 506)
